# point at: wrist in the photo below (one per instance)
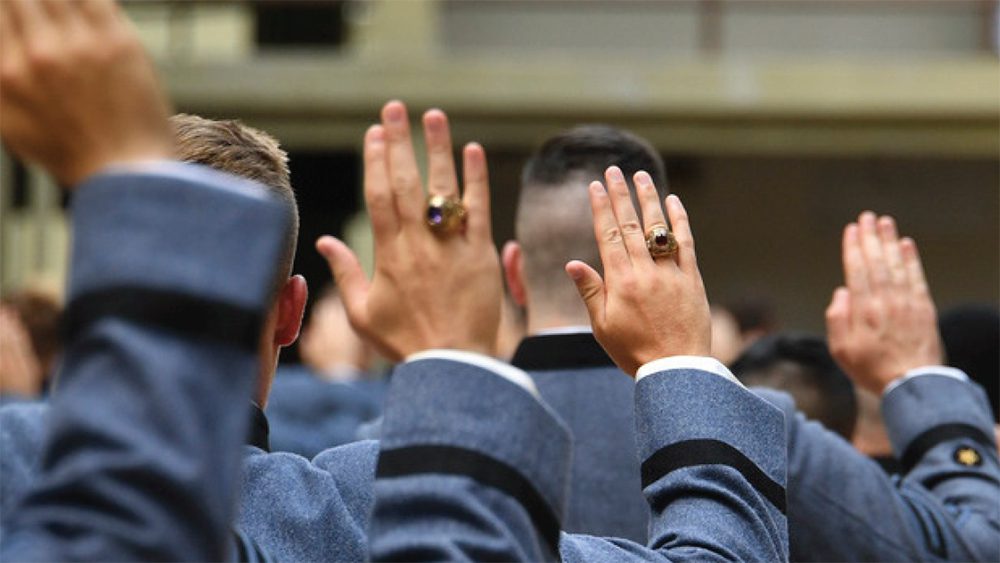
(134, 158)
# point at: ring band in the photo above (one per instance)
(660, 241)
(445, 215)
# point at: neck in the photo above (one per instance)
(341, 372)
(870, 436)
(543, 321)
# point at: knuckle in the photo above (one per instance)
(403, 182)
(611, 234)
(13, 77)
(631, 227)
(630, 285)
(42, 58)
(591, 292)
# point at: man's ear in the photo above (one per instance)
(513, 271)
(291, 305)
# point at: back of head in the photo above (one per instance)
(802, 366)
(553, 224)
(971, 336)
(233, 147)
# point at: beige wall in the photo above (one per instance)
(791, 115)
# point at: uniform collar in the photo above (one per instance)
(559, 352)
(260, 431)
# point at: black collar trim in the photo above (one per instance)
(560, 351)
(260, 431)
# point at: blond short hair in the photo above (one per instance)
(230, 146)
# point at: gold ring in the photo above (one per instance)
(660, 241)
(445, 215)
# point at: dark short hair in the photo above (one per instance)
(553, 223)
(591, 149)
(802, 366)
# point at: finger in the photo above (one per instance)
(477, 192)
(351, 281)
(890, 249)
(100, 13)
(855, 268)
(838, 319)
(404, 177)
(610, 245)
(9, 41)
(441, 178)
(628, 220)
(27, 17)
(591, 287)
(57, 10)
(686, 259)
(914, 266)
(649, 201)
(871, 246)
(378, 193)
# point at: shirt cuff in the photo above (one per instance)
(946, 371)
(510, 373)
(701, 363)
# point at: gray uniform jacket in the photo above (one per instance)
(172, 272)
(944, 507)
(475, 467)
(841, 506)
(596, 400)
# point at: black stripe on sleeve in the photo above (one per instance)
(711, 452)
(485, 470)
(943, 433)
(193, 316)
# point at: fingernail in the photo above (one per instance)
(615, 174)
(575, 275)
(394, 112)
(597, 188)
(643, 179)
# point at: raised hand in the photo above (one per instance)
(644, 309)
(883, 323)
(429, 290)
(79, 92)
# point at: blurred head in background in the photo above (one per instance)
(329, 346)
(801, 365)
(755, 316)
(727, 342)
(31, 341)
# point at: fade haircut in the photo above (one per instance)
(801, 365)
(553, 223)
(231, 146)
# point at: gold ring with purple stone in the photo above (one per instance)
(660, 241)
(445, 215)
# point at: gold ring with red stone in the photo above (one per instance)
(660, 241)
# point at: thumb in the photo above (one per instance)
(591, 287)
(351, 281)
(838, 318)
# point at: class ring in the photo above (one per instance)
(445, 215)
(660, 242)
